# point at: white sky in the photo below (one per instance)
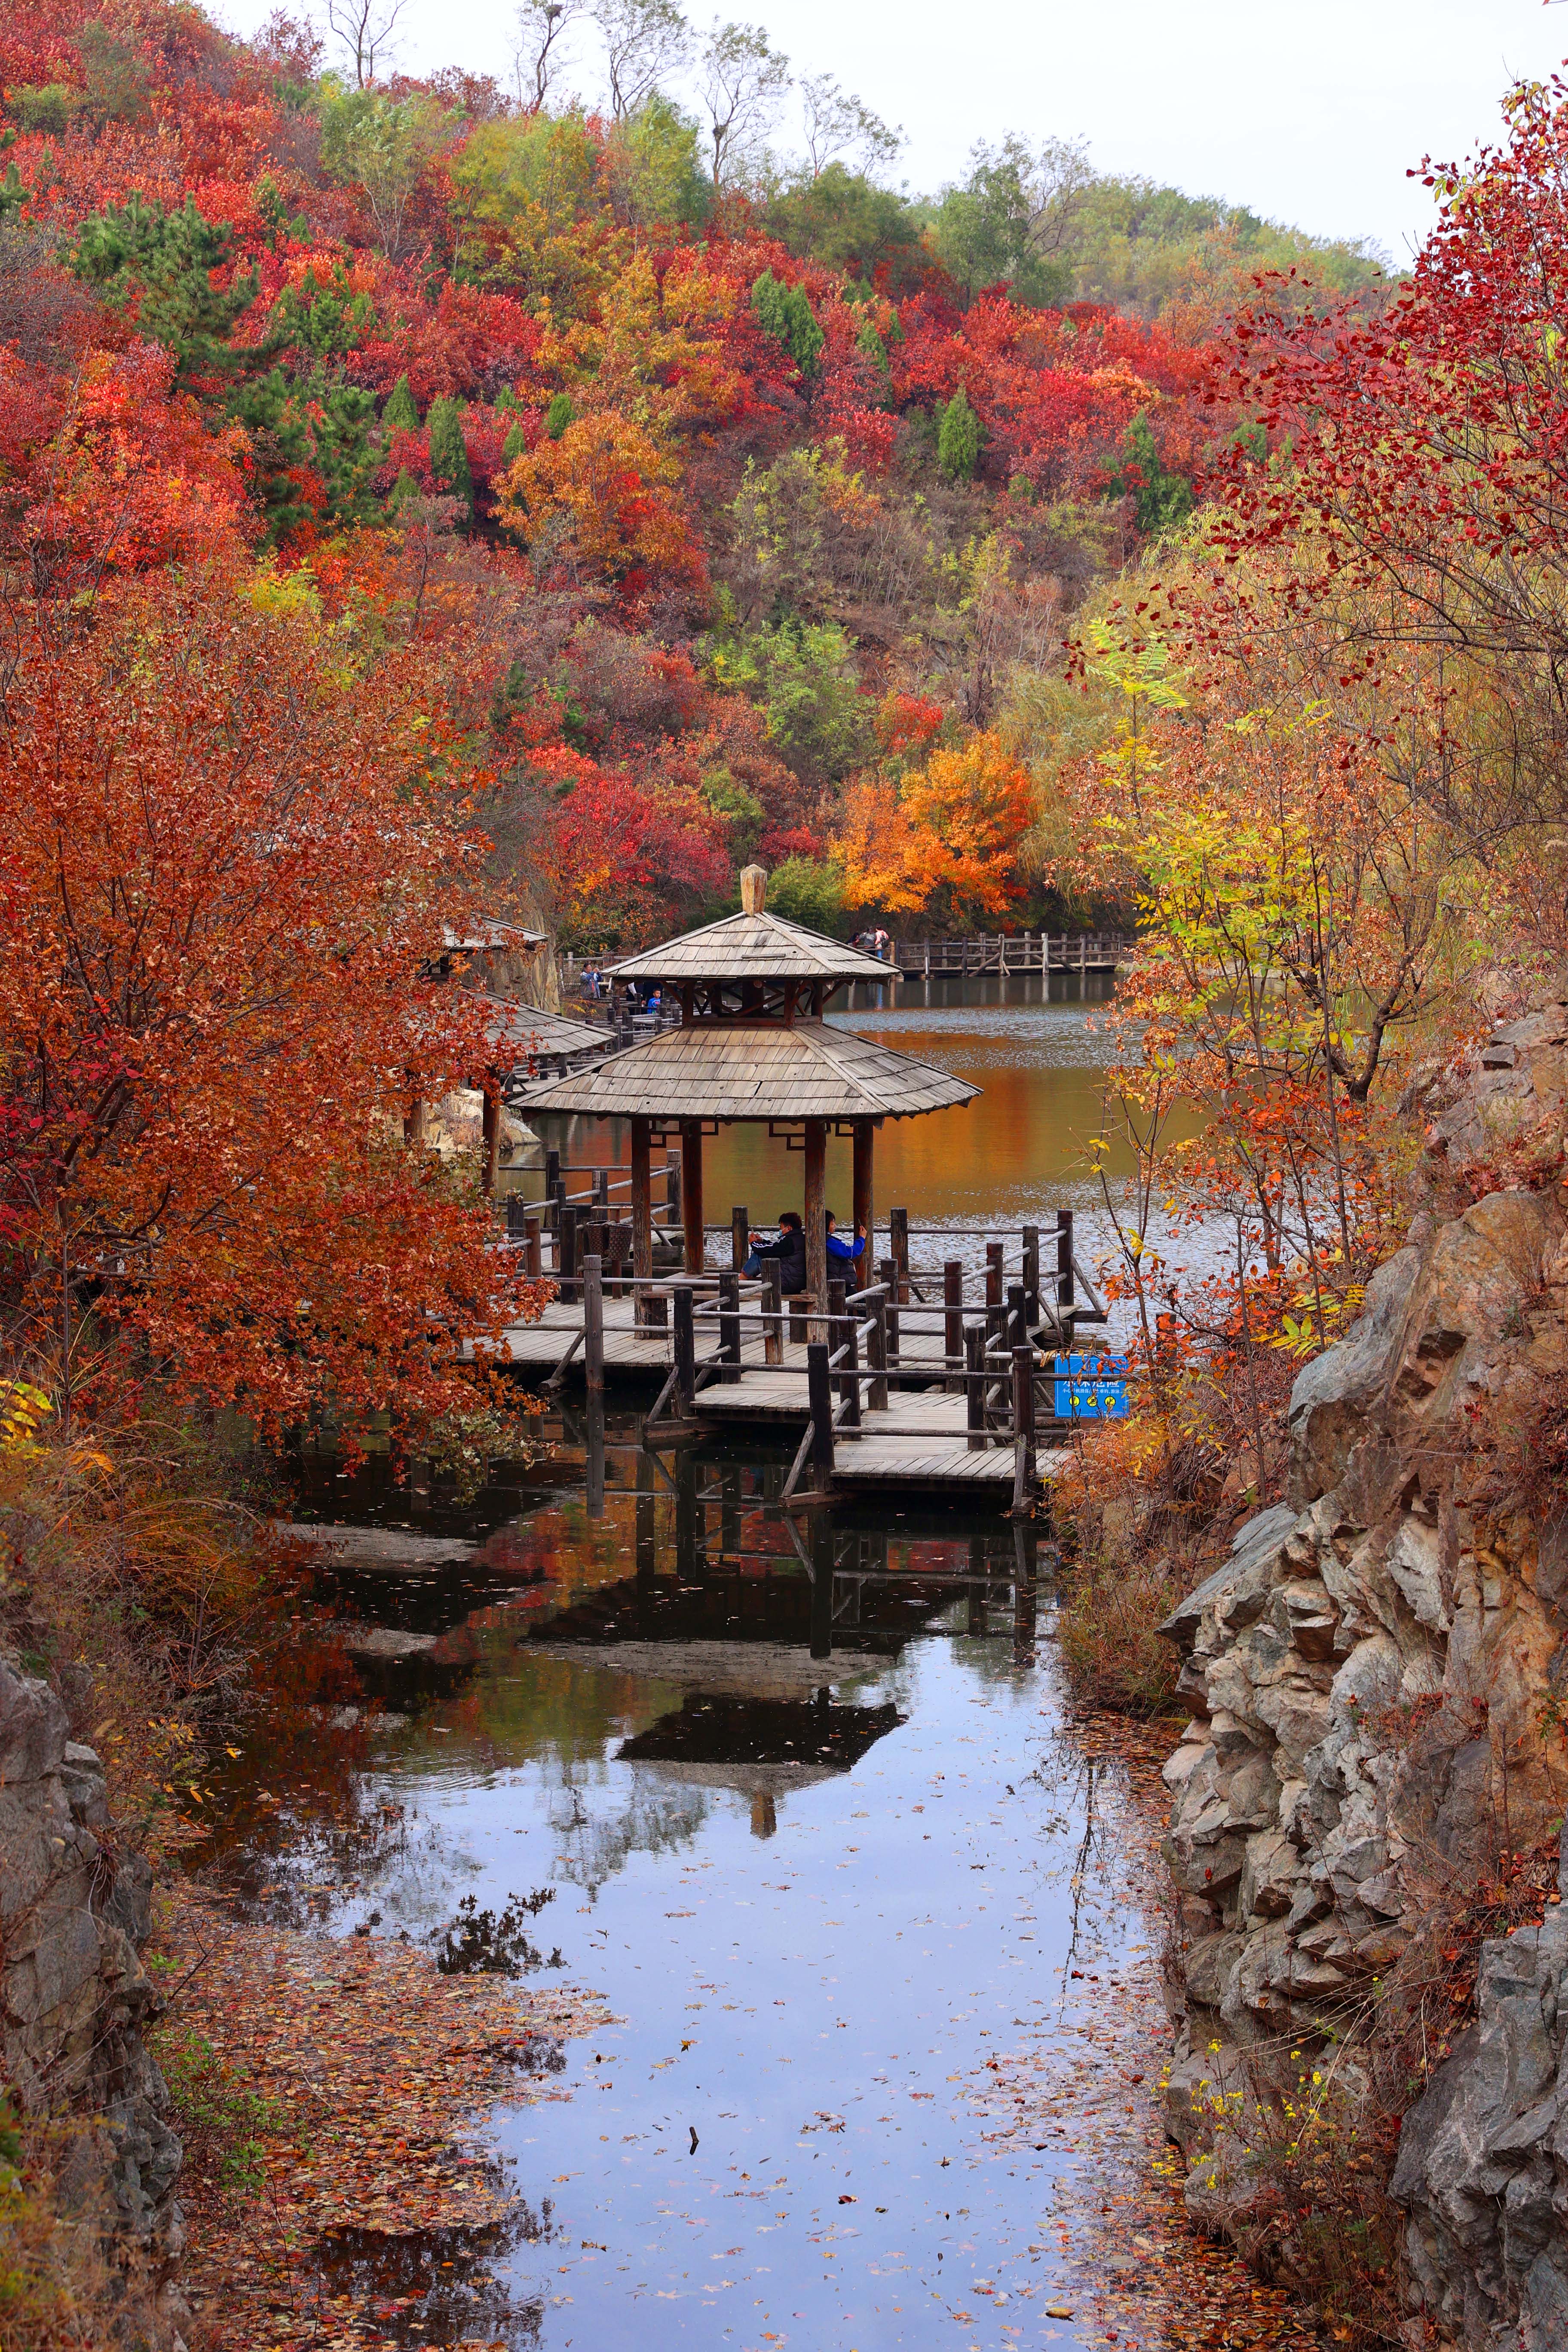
(1309, 114)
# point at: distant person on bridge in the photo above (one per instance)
(789, 1249)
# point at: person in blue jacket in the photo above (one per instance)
(838, 1247)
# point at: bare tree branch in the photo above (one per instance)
(538, 54)
(742, 80)
(837, 124)
(365, 28)
(645, 42)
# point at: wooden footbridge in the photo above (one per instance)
(978, 953)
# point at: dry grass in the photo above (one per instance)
(1112, 1654)
(139, 1578)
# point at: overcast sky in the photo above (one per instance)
(1309, 113)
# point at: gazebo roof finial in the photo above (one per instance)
(753, 890)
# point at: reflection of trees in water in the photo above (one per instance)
(1088, 1836)
(593, 1846)
(460, 2299)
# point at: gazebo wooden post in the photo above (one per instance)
(691, 1192)
(865, 1141)
(642, 1225)
(816, 1223)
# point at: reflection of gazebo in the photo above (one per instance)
(752, 1046)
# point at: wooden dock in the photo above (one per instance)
(982, 952)
(905, 1384)
(1010, 952)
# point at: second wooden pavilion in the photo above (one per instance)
(752, 1046)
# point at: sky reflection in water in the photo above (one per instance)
(811, 1967)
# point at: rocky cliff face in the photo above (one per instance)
(1373, 1677)
(73, 1994)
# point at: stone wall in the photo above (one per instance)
(74, 1914)
(1367, 1674)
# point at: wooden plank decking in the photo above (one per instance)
(919, 1441)
(633, 1354)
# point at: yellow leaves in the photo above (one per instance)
(291, 596)
(24, 1410)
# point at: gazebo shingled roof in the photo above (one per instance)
(749, 945)
(754, 1070)
(544, 1034)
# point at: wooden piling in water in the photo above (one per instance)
(773, 1310)
(887, 1275)
(952, 1299)
(899, 1237)
(877, 1353)
(685, 1347)
(1064, 1260)
(819, 1397)
(594, 1326)
(974, 1387)
(730, 1324)
(1023, 1429)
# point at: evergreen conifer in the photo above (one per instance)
(958, 439)
(449, 453)
(400, 415)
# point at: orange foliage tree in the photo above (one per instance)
(601, 500)
(229, 851)
(944, 837)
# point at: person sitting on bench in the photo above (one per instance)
(838, 1247)
(789, 1249)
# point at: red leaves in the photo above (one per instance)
(227, 860)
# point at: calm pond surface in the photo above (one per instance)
(858, 1905)
(824, 1898)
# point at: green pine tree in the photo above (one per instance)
(559, 415)
(803, 334)
(870, 343)
(1159, 500)
(512, 447)
(400, 415)
(162, 262)
(449, 452)
(783, 312)
(768, 303)
(958, 439)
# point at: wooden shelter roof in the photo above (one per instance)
(753, 947)
(754, 1070)
(532, 1030)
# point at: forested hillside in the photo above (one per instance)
(709, 497)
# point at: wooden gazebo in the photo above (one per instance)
(752, 1046)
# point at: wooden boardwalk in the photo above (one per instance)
(920, 1441)
(630, 1354)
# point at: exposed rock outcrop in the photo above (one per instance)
(1483, 2158)
(74, 1914)
(1367, 1674)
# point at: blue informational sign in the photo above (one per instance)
(1091, 1388)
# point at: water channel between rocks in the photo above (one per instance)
(863, 1919)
